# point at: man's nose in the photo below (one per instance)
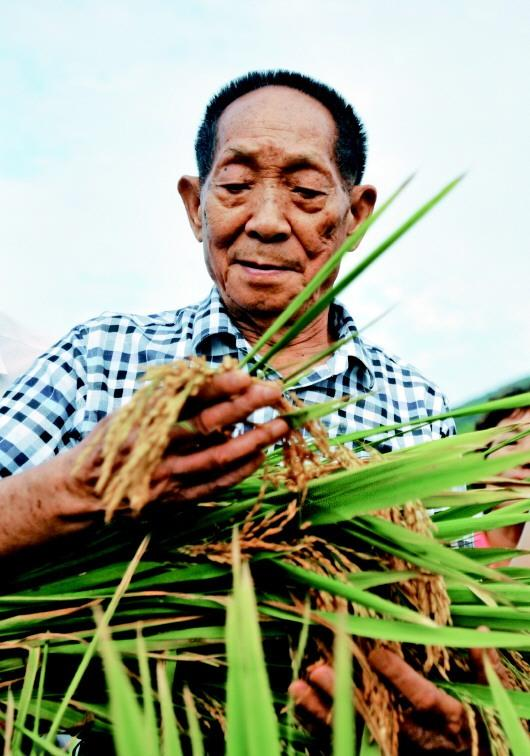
(268, 221)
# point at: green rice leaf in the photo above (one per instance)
(293, 378)
(43, 744)
(511, 402)
(149, 718)
(481, 695)
(129, 725)
(396, 480)
(356, 595)
(40, 690)
(368, 747)
(91, 648)
(343, 731)
(297, 665)
(170, 745)
(9, 723)
(326, 298)
(516, 736)
(405, 632)
(197, 748)
(302, 415)
(252, 727)
(32, 667)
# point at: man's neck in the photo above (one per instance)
(307, 344)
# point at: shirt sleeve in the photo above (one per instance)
(41, 411)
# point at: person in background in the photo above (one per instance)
(510, 536)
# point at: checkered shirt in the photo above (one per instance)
(96, 367)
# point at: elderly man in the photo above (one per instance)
(280, 161)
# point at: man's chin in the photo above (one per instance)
(266, 300)
(263, 308)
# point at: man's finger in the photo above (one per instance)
(477, 657)
(238, 408)
(422, 694)
(223, 385)
(206, 490)
(224, 455)
(322, 676)
(308, 702)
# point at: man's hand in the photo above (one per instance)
(435, 722)
(202, 459)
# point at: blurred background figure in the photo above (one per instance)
(510, 536)
(18, 348)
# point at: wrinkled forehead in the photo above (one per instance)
(278, 116)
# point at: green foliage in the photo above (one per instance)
(198, 637)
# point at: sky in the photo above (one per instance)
(100, 103)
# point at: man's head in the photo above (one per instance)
(350, 143)
(278, 188)
(509, 417)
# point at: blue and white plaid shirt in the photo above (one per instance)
(96, 367)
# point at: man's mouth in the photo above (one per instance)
(263, 267)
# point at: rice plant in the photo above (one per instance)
(180, 631)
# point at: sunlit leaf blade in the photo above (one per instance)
(324, 301)
(511, 514)
(170, 740)
(293, 378)
(299, 417)
(367, 489)
(148, 700)
(32, 667)
(197, 748)
(368, 747)
(44, 747)
(9, 723)
(343, 731)
(354, 594)
(510, 402)
(297, 665)
(516, 736)
(252, 727)
(481, 695)
(91, 648)
(454, 637)
(40, 690)
(130, 737)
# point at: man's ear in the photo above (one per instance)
(362, 202)
(190, 192)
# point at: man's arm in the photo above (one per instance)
(48, 500)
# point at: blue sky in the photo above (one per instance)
(100, 103)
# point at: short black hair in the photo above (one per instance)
(493, 418)
(350, 147)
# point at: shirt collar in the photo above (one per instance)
(213, 324)
(214, 329)
(343, 326)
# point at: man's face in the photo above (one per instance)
(274, 207)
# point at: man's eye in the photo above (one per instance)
(307, 193)
(235, 188)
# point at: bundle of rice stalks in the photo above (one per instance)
(329, 537)
(346, 558)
